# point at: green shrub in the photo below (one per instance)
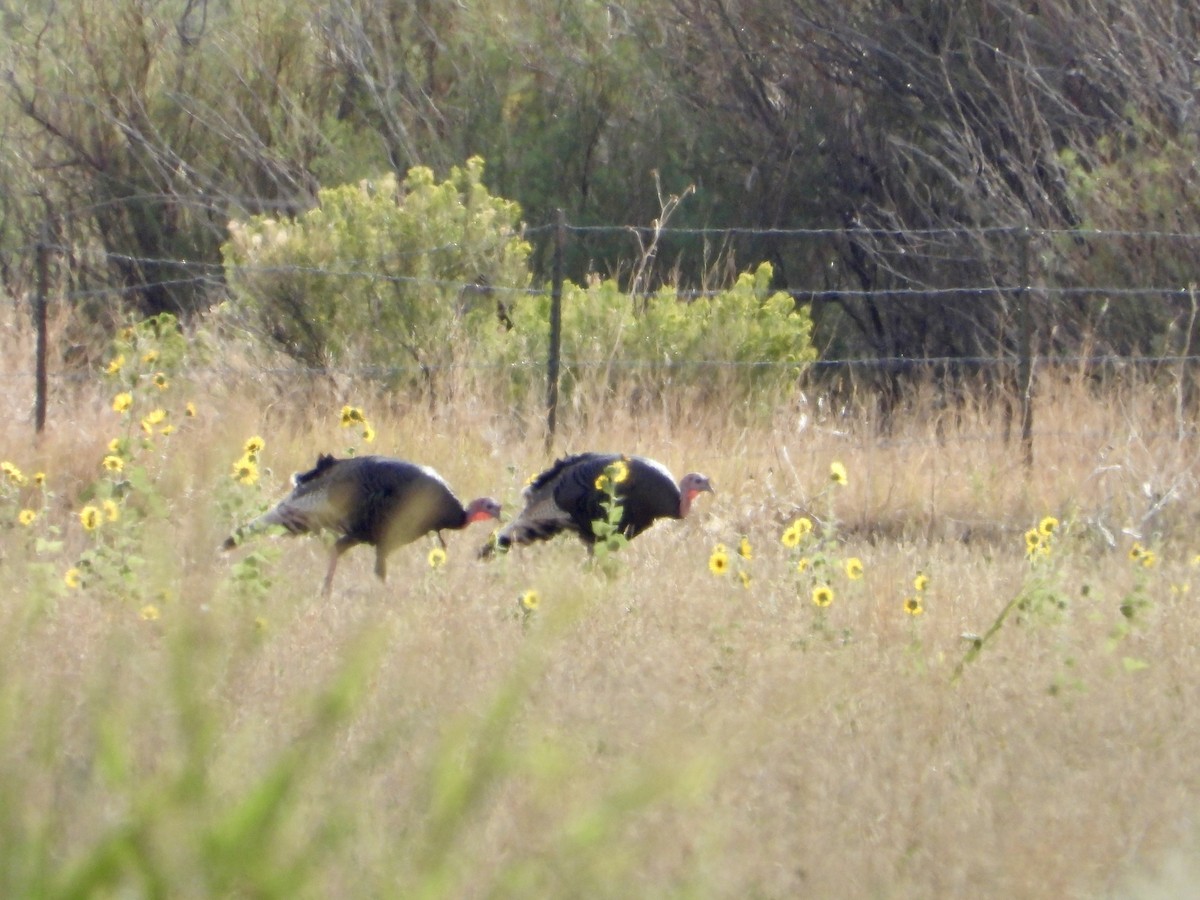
(376, 270)
(746, 335)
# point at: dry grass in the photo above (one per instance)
(655, 727)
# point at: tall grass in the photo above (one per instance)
(189, 726)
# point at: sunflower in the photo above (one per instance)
(530, 600)
(803, 564)
(368, 432)
(12, 473)
(854, 568)
(113, 463)
(837, 474)
(112, 511)
(160, 381)
(1033, 541)
(437, 558)
(115, 364)
(790, 537)
(1047, 526)
(189, 410)
(245, 470)
(822, 595)
(254, 446)
(744, 549)
(745, 577)
(39, 478)
(718, 562)
(150, 357)
(618, 471)
(149, 613)
(72, 578)
(90, 518)
(350, 415)
(1136, 551)
(26, 517)
(921, 582)
(913, 606)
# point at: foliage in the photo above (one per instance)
(376, 269)
(609, 336)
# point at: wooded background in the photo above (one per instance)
(912, 141)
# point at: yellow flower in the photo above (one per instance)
(368, 432)
(167, 430)
(149, 613)
(618, 471)
(156, 416)
(112, 511)
(190, 410)
(39, 478)
(913, 606)
(744, 550)
(1149, 559)
(12, 473)
(837, 474)
(854, 568)
(26, 517)
(1033, 541)
(113, 463)
(1136, 551)
(90, 518)
(350, 415)
(602, 481)
(116, 364)
(72, 578)
(822, 595)
(797, 532)
(245, 470)
(114, 446)
(1047, 526)
(921, 582)
(254, 446)
(437, 558)
(160, 381)
(530, 600)
(745, 576)
(122, 402)
(150, 356)
(718, 563)
(803, 564)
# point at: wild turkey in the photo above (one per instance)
(566, 497)
(369, 500)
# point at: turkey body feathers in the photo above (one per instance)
(369, 500)
(565, 498)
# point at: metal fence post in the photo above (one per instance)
(555, 349)
(1025, 349)
(39, 321)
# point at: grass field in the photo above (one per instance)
(185, 722)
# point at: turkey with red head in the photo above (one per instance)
(373, 500)
(568, 497)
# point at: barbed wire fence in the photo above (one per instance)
(1018, 365)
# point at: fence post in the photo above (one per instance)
(553, 357)
(1025, 348)
(39, 322)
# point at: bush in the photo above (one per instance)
(376, 271)
(761, 338)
